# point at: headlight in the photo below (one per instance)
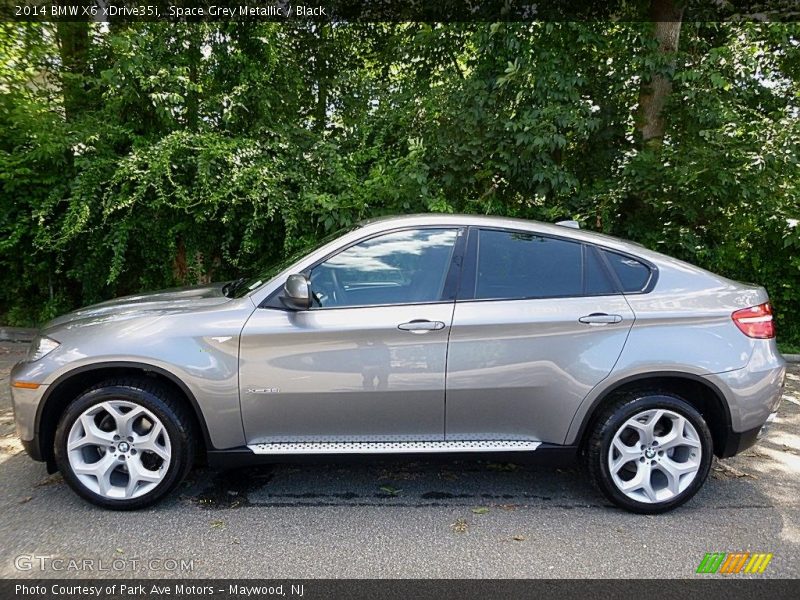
(41, 347)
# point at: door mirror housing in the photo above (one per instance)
(297, 293)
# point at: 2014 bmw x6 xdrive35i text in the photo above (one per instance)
(417, 334)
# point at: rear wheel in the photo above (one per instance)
(124, 444)
(649, 452)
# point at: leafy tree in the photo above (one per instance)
(139, 156)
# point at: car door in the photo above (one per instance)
(539, 321)
(367, 361)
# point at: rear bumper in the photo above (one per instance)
(752, 395)
(739, 442)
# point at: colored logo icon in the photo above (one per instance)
(734, 562)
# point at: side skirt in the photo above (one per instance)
(545, 454)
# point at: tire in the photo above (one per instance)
(137, 435)
(657, 470)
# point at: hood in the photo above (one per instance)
(150, 304)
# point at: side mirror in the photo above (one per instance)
(297, 293)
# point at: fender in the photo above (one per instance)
(145, 367)
(577, 428)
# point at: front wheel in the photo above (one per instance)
(124, 444)
(649, 452)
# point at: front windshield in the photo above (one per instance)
(244, 286)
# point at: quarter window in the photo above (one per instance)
(632, 274)
(402, 267)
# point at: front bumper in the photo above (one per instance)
(25, 403)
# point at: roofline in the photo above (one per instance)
(553, 229)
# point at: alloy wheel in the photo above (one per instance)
(119, 449)
(654, 456)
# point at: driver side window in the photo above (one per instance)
(402, 267)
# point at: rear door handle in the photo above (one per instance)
(600, 319)
(421, 326)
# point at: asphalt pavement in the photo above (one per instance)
(399, 519)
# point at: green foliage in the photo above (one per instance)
(208, 151)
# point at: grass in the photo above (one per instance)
(788, 348)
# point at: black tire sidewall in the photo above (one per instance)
(609, 428)
(180, 444)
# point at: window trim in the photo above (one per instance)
(606, 269)
(452, 278)
(469, 278)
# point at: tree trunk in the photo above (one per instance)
(651, 121)
(180, 266)
(73, 47)
(323, 77)
(195, 55)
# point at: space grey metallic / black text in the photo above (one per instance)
(414, 335)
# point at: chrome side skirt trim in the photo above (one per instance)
(393, 447)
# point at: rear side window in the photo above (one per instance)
(633, 275)
(523, 265)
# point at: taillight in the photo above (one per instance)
(756, 321)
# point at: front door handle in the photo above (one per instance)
(600, 319)
(421, 326)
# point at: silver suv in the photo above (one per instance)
(418, 334)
